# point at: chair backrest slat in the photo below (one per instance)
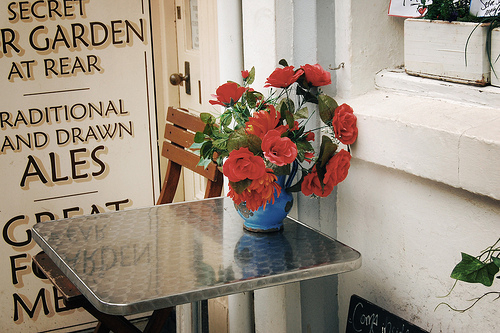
(179, 135)
(188, 160)
(182, 118)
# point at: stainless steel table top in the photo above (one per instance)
(143, 259)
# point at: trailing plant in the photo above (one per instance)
(481, 269)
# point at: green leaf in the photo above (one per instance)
(302, 113)
(283, 63)
(206, 150)
(251, 99)
(207, 118)
(327, 106)
(254, 144)
(286, 108)
(279, 170)
(240, 138)
(225, 119)
(220, 143)
(240, 186)
(304, 145)
(327, 150)
(251, 75)
(208, 129)
(496, 260)
(473, 270)
(307, 92)
(199, 137)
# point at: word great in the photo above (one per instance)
(47, 300)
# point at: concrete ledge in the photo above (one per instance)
(456, 143)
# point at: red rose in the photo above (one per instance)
(283, 77)
(278, 150)
(344, 124)
(242, 164)
(245, 74)
(316, 75)
(310, 136)
(262, 122)
(312, 185)
(337, 168)
(227, 94)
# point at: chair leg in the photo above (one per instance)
(101, 328)
(114, 323)
(158, 320)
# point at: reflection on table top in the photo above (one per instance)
(149, 258)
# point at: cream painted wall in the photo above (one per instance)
(368, 40)
(424, 182)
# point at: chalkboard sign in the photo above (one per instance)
(366, 317)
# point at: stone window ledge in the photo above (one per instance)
(437, 130)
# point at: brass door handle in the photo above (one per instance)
(178, 78)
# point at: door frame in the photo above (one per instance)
(226, 48)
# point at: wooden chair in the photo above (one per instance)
(179, 130)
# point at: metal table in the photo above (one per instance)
(138, 260)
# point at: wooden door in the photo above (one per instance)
(188, 49)
(196, 33)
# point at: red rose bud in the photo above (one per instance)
(245, 74)
(310, 136)
(316, 75)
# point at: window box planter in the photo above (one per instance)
(436, 49)
(495, 60)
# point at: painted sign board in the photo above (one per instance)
(77, 134)
(406, 8)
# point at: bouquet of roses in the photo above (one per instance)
(258, 138)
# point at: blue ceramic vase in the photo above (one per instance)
(271, 218)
